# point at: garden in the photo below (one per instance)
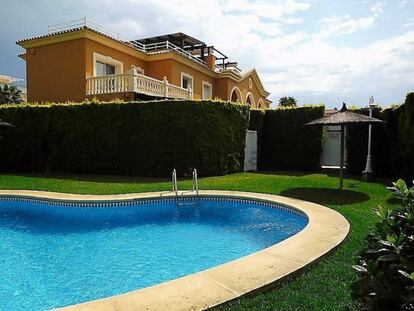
(117, 148)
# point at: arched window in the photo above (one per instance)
(250, 100)
(235, 95)
(261, 104)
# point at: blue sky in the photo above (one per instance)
(319, 51)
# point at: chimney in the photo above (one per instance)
(211, 61)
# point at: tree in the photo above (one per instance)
(287, 102)
(10, 94)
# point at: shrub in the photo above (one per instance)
(357, 146)
(287, 143)
(256, 120)
(256, 124)
(406, 137)
(386, 266)
(392, 143)
(137, 138)
(10, 94)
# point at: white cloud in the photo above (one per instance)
(297, 63)
(344, 24)
(312, 61)
(377, 9)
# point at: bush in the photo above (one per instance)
(357, 146)
(137, 138)
(256, 124)
(256, 120)
(392, 143)
(10, 94)
(386, 266)
(287, 143)
(406, 137)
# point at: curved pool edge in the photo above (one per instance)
(325, 230)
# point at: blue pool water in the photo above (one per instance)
(54, 254)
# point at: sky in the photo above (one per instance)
(318, 51)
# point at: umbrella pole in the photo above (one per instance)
(341, 165)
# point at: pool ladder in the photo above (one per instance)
(174, 182)
(195, 181)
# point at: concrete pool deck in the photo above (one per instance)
(326, 230)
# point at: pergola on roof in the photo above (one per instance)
(180, 39)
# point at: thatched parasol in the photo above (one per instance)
(343, 118)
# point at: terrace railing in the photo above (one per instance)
(132, 81)
(151, 48)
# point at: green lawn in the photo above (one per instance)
(324, 286)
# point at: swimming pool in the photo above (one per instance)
(57, 253)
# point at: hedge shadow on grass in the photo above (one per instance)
(326, 196)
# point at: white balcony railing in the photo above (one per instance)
(137, 83)
(151, 48)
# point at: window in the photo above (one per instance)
(235, 95)
(207, 92)
(186, 81)
(106, 65)
(103, 69)
(250, 100)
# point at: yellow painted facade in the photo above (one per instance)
(57, 66)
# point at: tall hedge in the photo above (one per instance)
(406, 137)
(287, 143)
(392, 143)
(256, 124)
(357, 145)
(137, 138)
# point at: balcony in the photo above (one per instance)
(194, 49)
(136, 83)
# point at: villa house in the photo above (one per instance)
(81, 60)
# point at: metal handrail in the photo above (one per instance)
(150, 48)
(174, 182)
(195, 181)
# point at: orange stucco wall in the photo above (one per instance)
(56, 72)
(198, 77)
(159, 69)
(221, 89)
(225, 85)
(126, 59)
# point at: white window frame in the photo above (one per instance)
(187, 75)
(205, 83)
(119, 66)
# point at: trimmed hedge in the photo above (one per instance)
(356, 146)
(136, 138)
(287, 144)
(406, 137)
(256, 124)
(256, 120)
(392, 143)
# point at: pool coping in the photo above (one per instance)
(325, 230)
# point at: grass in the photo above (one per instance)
(324, 286)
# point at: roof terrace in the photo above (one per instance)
(180, 43)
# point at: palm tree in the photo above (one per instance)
(10, 94)
(287, 102)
